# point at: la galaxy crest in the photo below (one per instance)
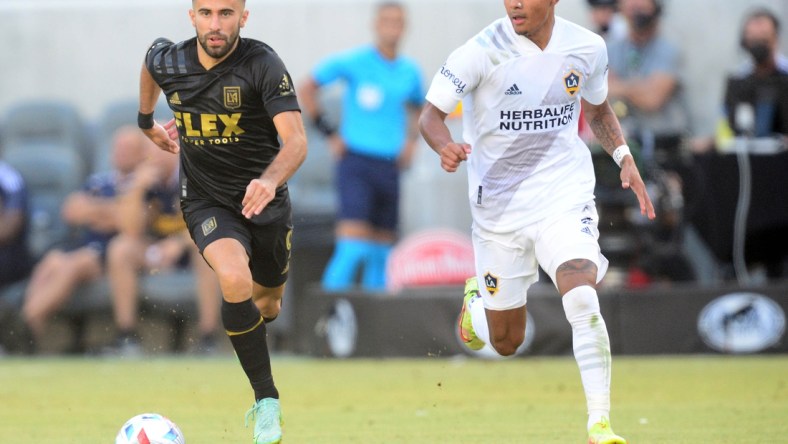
(491, 283)
(232, 97)
(572, 82)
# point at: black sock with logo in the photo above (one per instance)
(246, 329)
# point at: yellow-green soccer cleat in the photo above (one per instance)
(464, 323)
(267, 416)
(601, 433)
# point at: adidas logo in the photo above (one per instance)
(513, 90)
(175, 99)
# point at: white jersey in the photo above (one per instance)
(521, 107)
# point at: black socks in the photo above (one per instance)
(246, 329)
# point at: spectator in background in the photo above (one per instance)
(761, 80)
(14, 255)
(152, 237)
(761, 38)
(645, 88)
(93, 210)
(605, 19)
(756, 119)
(376, 139)
(646, 94)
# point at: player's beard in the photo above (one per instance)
(221, 51)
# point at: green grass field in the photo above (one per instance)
(534, 400)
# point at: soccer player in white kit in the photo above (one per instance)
(522, 81)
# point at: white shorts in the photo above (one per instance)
(506, 263)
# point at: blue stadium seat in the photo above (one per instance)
(45, 121)
(115, 115)
(51, 171)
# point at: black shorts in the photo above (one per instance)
(368, 190)
(268, 246)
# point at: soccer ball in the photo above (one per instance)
(149, 428)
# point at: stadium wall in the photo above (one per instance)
(671, 320)
(89, 51)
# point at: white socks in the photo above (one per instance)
(479, 320)
(591, 348)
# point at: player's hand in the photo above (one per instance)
(164, 136)
(452, 154)
(259, 193)
(630, 178)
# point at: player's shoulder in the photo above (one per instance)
(494, 44)
(162, 44)
(163, 50)
(495, 34)
(256, 48)
(575, 34)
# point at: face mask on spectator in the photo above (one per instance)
(759, 51)
(643, 20)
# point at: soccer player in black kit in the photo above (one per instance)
(233, 100)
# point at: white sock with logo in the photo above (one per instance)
(591, 347)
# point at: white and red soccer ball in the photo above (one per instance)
(149, 428)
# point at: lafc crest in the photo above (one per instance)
(209, 225)
(232, 97)
(572, 82)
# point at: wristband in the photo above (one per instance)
(145, 121)
(619, 153)
(324, 126)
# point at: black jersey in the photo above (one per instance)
(224, 118)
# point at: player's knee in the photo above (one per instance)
(507, 345)
(236, 285)
(269, 307)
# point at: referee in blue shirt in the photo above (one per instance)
(375, 140)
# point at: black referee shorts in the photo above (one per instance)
(268, 246)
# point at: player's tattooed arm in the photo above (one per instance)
(607, 129)
(605, 125)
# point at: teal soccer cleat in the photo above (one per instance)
(267, 415)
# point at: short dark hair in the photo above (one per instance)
(759, 13)
(603, 3)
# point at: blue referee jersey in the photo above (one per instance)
(375, 103)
